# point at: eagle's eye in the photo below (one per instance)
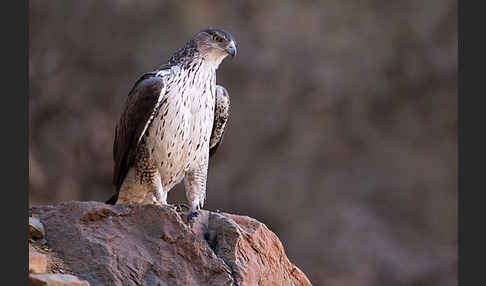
(217, 38)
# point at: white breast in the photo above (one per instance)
(180, 132)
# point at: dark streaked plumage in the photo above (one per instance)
(221, 117)
(172, 119)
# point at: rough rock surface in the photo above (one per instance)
(132, 244)
(55, 280)
(37, 261)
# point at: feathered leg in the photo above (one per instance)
(141, 188)
(195, 186)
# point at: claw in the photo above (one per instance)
(179, 207)
(191, 216)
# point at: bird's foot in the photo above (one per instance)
(179, 207)
(155, 200)
(191, 216)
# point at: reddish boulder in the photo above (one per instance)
(37, 261)
(132, 244)
(55, 280)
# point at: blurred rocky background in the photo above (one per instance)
(342, 138)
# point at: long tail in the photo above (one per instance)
(112, 200)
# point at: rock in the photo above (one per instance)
(133, 244)
(254, 253)
(36, 229)
(37, 261)
(55, 280)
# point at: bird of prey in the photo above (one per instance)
(173, 120)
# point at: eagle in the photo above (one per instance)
(172, 122)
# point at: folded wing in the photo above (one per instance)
(221, 117)
(140, 107)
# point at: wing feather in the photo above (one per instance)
(140, 105)
(221, 117)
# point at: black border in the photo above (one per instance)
(14, 124)
(470, 180)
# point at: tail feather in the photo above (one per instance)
(112, 200)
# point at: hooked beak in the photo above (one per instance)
(231, 49)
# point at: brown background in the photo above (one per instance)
(342, 138)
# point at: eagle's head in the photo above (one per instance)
(214, 45)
